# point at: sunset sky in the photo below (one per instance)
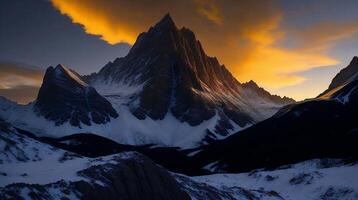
(291, 48)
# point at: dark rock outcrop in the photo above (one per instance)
(64, 96)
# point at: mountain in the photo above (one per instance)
(343, 83)
(323, 127)
(31, 169)
(167, 74)
(166, 92)
(346, 75)
(64, 96)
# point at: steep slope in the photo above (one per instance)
(64, 96)
(346, 75)
(343, 83)
(168, 73)
(318, 128)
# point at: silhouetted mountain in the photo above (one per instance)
(318, 128)
(347, 74)
(342, 80)
(64, 96)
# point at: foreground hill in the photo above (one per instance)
(30, 169)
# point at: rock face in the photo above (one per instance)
(176, 76)
(317, 128)
(64, 96)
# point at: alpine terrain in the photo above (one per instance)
(168, 121)
(166, 92)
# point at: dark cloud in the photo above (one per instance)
(34, 32)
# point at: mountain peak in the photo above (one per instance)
(166, 21)
(60, 72)
(65, 97)
(177, 77)
(346, 75)
(354, 61)
(251, 83)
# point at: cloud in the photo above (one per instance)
(210, 10)
(21, 94)
(323, 35)
(246, 36)
(19, 82)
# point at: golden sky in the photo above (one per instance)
(248, 37)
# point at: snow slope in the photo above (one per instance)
(309, 180)
(30, 169)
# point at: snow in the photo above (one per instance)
(125, 129)
(211, 166)
(319, 181)
(112, 88)
(25, 160)
(51, 167)
(248, 101)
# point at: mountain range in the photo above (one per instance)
(165, 92)
(168, 121)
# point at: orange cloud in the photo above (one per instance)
(245, 35)
(274, 66)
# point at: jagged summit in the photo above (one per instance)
(354, 61)
(176, 77)
(166, 21)
(65, 97)
(346, 75)
(263, 93)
